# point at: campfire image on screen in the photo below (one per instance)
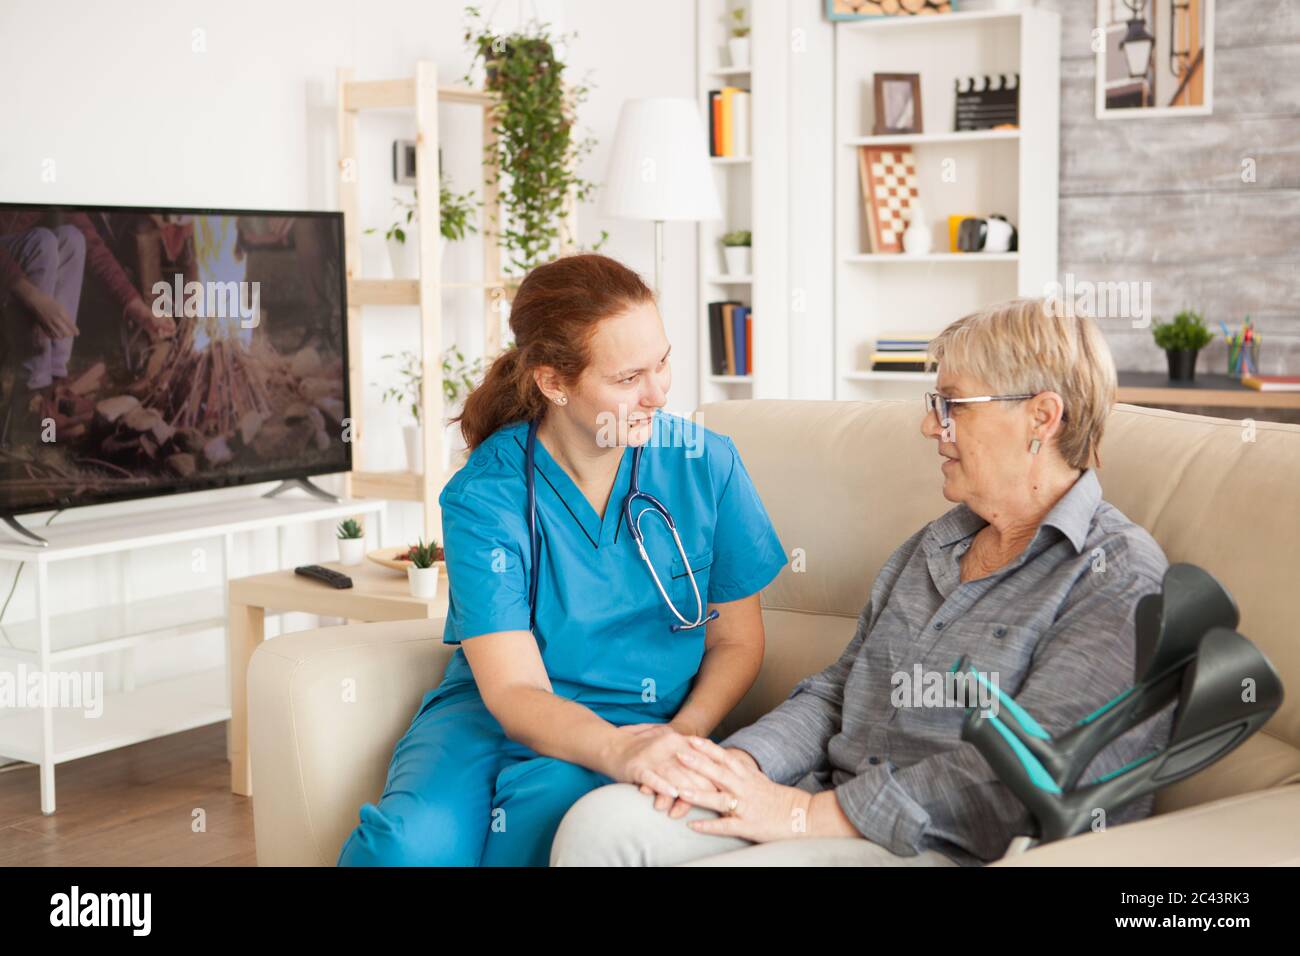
(208, 350)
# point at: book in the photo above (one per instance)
(1272, 383)
(899, 367)
(749, 341)
(740, 123)
(717, 345)
(738, 315)
(715, 122)
(729, 336)
(728, 120)
(898, 358)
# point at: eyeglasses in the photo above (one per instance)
(942, 406)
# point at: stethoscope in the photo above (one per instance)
(633, 526)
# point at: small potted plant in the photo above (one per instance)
(1182, 339)
(454, 224)
(352, 547)
(423, 570)
(738, 42)
(459, 376)
(735, 252)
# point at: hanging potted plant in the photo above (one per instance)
(738, 42)
(736, 252)
(1182, 339)
(535, 158)
(454, 224)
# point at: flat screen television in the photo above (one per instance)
(153, 351)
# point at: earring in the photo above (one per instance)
(562, 400)
(1034, 446)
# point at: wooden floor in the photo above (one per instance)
(131, 807)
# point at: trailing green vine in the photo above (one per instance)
(537, 154)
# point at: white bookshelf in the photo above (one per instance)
(1011, 172)
(741, 180)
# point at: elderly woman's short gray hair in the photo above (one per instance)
(1039, 345)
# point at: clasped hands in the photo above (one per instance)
(684, 770)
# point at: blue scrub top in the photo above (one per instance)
(602, 626)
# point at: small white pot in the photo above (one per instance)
(738, 50)
(405, 257)
(424, 582)
(736, 260)
(376, 262)
(414, 439)
(351, 550)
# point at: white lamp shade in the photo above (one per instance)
(659, 168)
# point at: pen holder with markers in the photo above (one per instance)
(1243, 358)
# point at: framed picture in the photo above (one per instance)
(404, 162)
(898, 103)
(867, 9)
(1154, 58)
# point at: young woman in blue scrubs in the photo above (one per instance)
(602, 688)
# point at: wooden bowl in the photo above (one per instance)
(389, 558)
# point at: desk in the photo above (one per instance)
(377, 594)
(1155, 388)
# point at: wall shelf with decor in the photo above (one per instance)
(757, 168)
(999, 72)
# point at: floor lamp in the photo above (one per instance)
(659, 169)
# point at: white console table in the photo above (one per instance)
(51, 642)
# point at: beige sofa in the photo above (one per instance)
(846, 483)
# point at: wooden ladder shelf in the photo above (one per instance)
(422, 94)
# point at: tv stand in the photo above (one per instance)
(32, 538)
(306, 485)
(60, 637)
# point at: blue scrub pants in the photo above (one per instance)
(461, 793)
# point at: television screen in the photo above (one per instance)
(154, 351)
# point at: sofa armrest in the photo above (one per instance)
(1252, 829)
(326, 707)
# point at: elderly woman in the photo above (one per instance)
(1032, 576)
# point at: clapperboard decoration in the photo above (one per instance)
(984, 102)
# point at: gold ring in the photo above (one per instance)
(731, 807)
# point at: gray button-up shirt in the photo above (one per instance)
(1055, 628)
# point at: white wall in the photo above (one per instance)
(232, 104)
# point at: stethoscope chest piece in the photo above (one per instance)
(652, 506)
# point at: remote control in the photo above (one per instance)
(335, 579)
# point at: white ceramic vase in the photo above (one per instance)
(736, 259)
(423, 581)
(351, 551)
(916, 237)
(414, 441)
